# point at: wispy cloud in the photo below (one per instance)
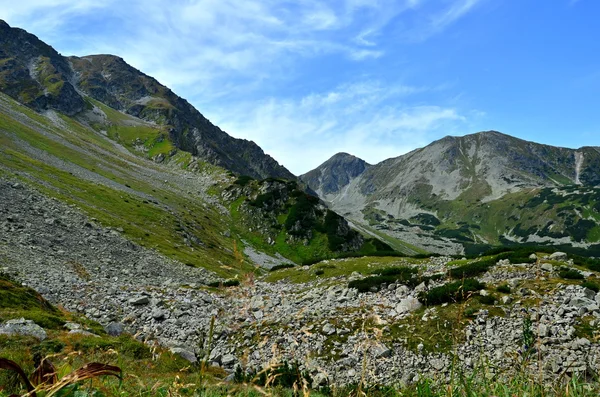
(368, 119)
(250, 65)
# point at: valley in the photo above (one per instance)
(136, 233)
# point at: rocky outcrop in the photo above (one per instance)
(35, 74)
(334, 174)
(109, 79)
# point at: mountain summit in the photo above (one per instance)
(36, 75)
(459, 180)
(334, 174)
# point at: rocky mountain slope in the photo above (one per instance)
(456, 186)
(33, 73)
(334, 174)
(103, 213)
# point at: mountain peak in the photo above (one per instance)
(335, 173)
(36, 75)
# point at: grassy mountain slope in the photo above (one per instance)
(36, 75)
(156, 206)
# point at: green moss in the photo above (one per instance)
(17, 301)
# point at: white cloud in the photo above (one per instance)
(366, 119)
(235, 60)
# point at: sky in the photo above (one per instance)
(306, 79)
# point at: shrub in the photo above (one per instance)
(226, 283)
(487, 299)
(282, 266)
(366, 284)
(243, 180)
(504, 288)
(320, 272)
(398, 274)
(456, 291)
(472, 269)
(591, 285)
(570, 274)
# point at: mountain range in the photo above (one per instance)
(36, 75)
(104, 122)
(475, 189)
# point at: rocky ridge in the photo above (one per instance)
(34, 74)
(423, 197)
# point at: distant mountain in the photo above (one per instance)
(331, 176)
(441, 185)
(36, 75)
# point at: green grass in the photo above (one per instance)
(157, 223)
(334, 268)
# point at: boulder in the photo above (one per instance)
(409, 304)
(381, 350)
(23, 327)
(115, 329)
(228, 360)
(329, 329)
(185, 353)
(559, 256)
(139, 301)
(547, 267)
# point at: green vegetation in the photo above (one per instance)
(456, 291)
(570, 274)
(334, 268)
(151, 213)
(17, 301)
(226, 283)
(591, 285)
(401, 274)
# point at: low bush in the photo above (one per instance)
(456, 291)
(371, 283)
(472, 269)
(226, 283)
(243, 180)
(282, 266)
(487, 299)
(398, 274)
(570, 274)
(504, 288)
(591, 285)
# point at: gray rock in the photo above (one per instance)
(139, 301)
(187, 354)
(71, 325)
(319, 380)
(328, 329)
(543, 330)
(409, 304)
(533, 256)
(82, 332)
(547, 267)
(381, 350)
(23, 327)
(506, 299)
(228, 360)
(158, 314)
(559, 256)
(115, 329)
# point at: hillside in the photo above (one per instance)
(34, 74)
(477, 189)
(135, 233)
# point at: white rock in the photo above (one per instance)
(559, 256)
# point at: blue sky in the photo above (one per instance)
(306, 79)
